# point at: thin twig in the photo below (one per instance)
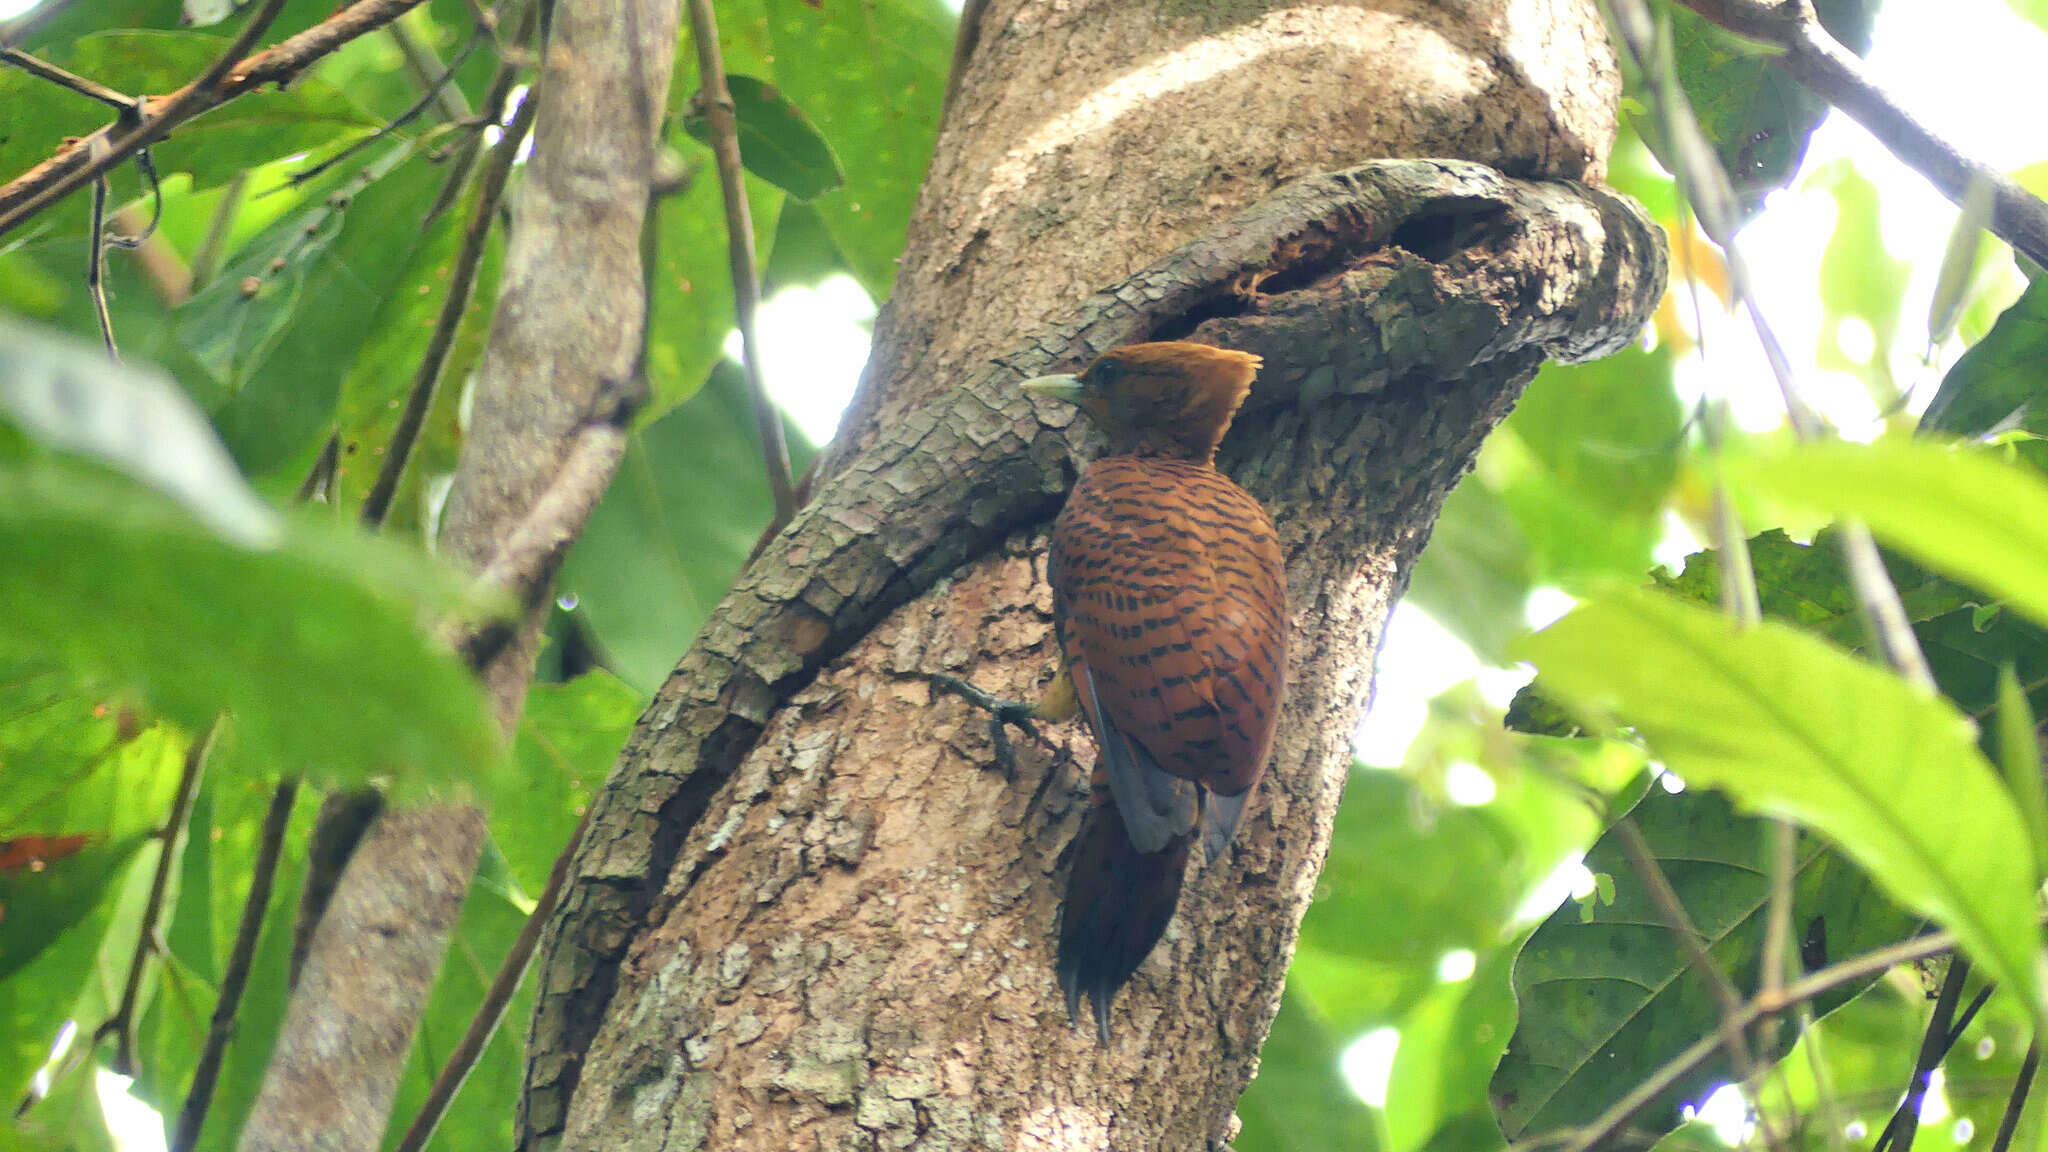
(385, 130)
(43, 70)
(2017, 1102)
(739, 230)
(1778, 922)
(1934, 1044)
(495, 95)
(241, 959)
(1726, 998)
(461, 283)
(121, 1025)
(430, 74)
(77, 165)
(1798, 992)
(96, 268)
(1812, 57)
(491, 1011)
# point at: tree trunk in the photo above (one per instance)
(808, 913)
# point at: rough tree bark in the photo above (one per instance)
(806, 913)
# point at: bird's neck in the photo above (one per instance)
(1198, 448)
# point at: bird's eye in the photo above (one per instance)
(1106, 373)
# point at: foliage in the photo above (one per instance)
(155, 582)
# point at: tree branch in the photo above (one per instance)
(491, 1012)
(1831, 72)
(426, 380)
(739, 230)
(80, 162)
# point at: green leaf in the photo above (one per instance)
(1758, 118)
(284, 323)
(878, 101)
(250, 130)
(1999, 381)
(46, 890)
(480, 1117)
(777, 141)
(691, 311)
(569, 736)
(2019, 753)
(314, 647)
(672, 531)
(1476, 574)
(1298, 1077)
(1964, 513)
(1450, 1043)
(1605, 990)
(36, 1001)
(1793, 727)
(74, 398)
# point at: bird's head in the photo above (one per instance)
(1168, 399)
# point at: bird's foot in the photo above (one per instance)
(1002, 715)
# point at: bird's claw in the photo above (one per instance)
(1002, 715)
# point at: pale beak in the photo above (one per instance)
(1065, 386)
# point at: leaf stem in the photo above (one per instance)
(739, 230)
(235, 980)
(121, 1025)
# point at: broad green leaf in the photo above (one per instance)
(1964, 513)
(777, 141)
(1454, 893)
(315, 647)
(1807, 585)
(691, 311)
(1999, 381)
(2034, 10)
(1600, 445)
(36, 1001)
(879, 101)
(1569, 491)
(1475, 576)
(1605, 990)
(1793, 727)
(1298, 1078)
(1450, 1043)
(672, 531)
(284, 323)
(250, 130)
(2019, 752)
(569, 736)
(1758, 118)
(72, 397)
(804, 252)
(48, 883)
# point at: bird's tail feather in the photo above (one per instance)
(1118, 903)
